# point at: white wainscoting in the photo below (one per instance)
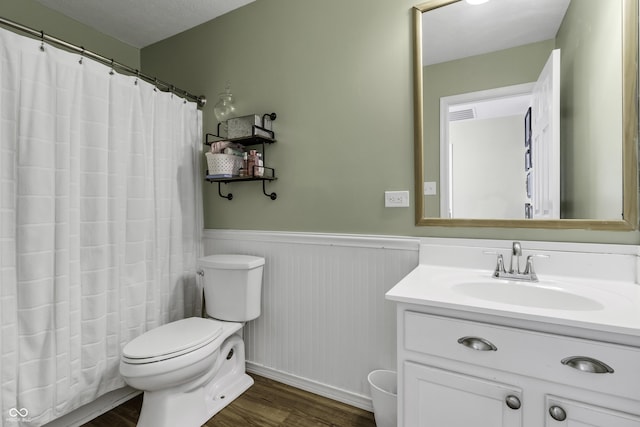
(325, 323)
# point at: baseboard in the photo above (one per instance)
(349, 398)
(92, 410)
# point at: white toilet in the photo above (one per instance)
(192, 368)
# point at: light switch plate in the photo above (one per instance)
(430, 188)
(396, 199)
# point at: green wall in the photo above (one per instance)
(36, 16)
(590, 94)
(338, 73)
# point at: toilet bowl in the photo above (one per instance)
(192, 368)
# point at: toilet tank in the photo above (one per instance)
(232, 286)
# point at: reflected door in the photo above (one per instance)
(545, 144)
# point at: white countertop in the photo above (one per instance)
(432, 286)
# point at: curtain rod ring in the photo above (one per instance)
(112, 71)
(137, 77)
(81, 55)
(42, 40)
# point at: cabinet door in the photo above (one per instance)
(578, 414)
(437, 398)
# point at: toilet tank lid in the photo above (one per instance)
(231, 262)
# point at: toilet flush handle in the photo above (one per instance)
(200, 272)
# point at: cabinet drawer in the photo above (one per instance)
(534, 354)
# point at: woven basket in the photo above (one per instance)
(219, 164)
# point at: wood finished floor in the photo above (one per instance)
(267, 403)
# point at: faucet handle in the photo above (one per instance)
(528, 270)
(532, 256)
(499, 266)
(499, 263)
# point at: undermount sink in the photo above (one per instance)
(528, 294)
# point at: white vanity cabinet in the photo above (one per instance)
(455, 372)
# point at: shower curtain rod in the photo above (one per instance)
(201, 100)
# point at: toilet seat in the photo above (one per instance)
(171, 340)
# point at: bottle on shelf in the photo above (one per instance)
(244, 170)
(259, 164)
(252, 162)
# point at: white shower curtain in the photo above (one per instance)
(99, 223)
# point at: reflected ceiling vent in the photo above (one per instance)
(465, 114)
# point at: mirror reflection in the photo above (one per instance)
(522, 107)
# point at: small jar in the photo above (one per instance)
(244, 170)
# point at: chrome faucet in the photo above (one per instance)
(514, 272)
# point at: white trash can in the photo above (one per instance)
(384, 394)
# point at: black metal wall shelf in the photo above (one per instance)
(257, 138)
(264, 179)
(254, 139)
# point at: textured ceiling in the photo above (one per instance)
(447, 30)
(140, 23)
(460, 30)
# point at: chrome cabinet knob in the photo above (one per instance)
(557, 413)
(513, 402)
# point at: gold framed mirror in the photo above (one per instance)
(572, 136)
